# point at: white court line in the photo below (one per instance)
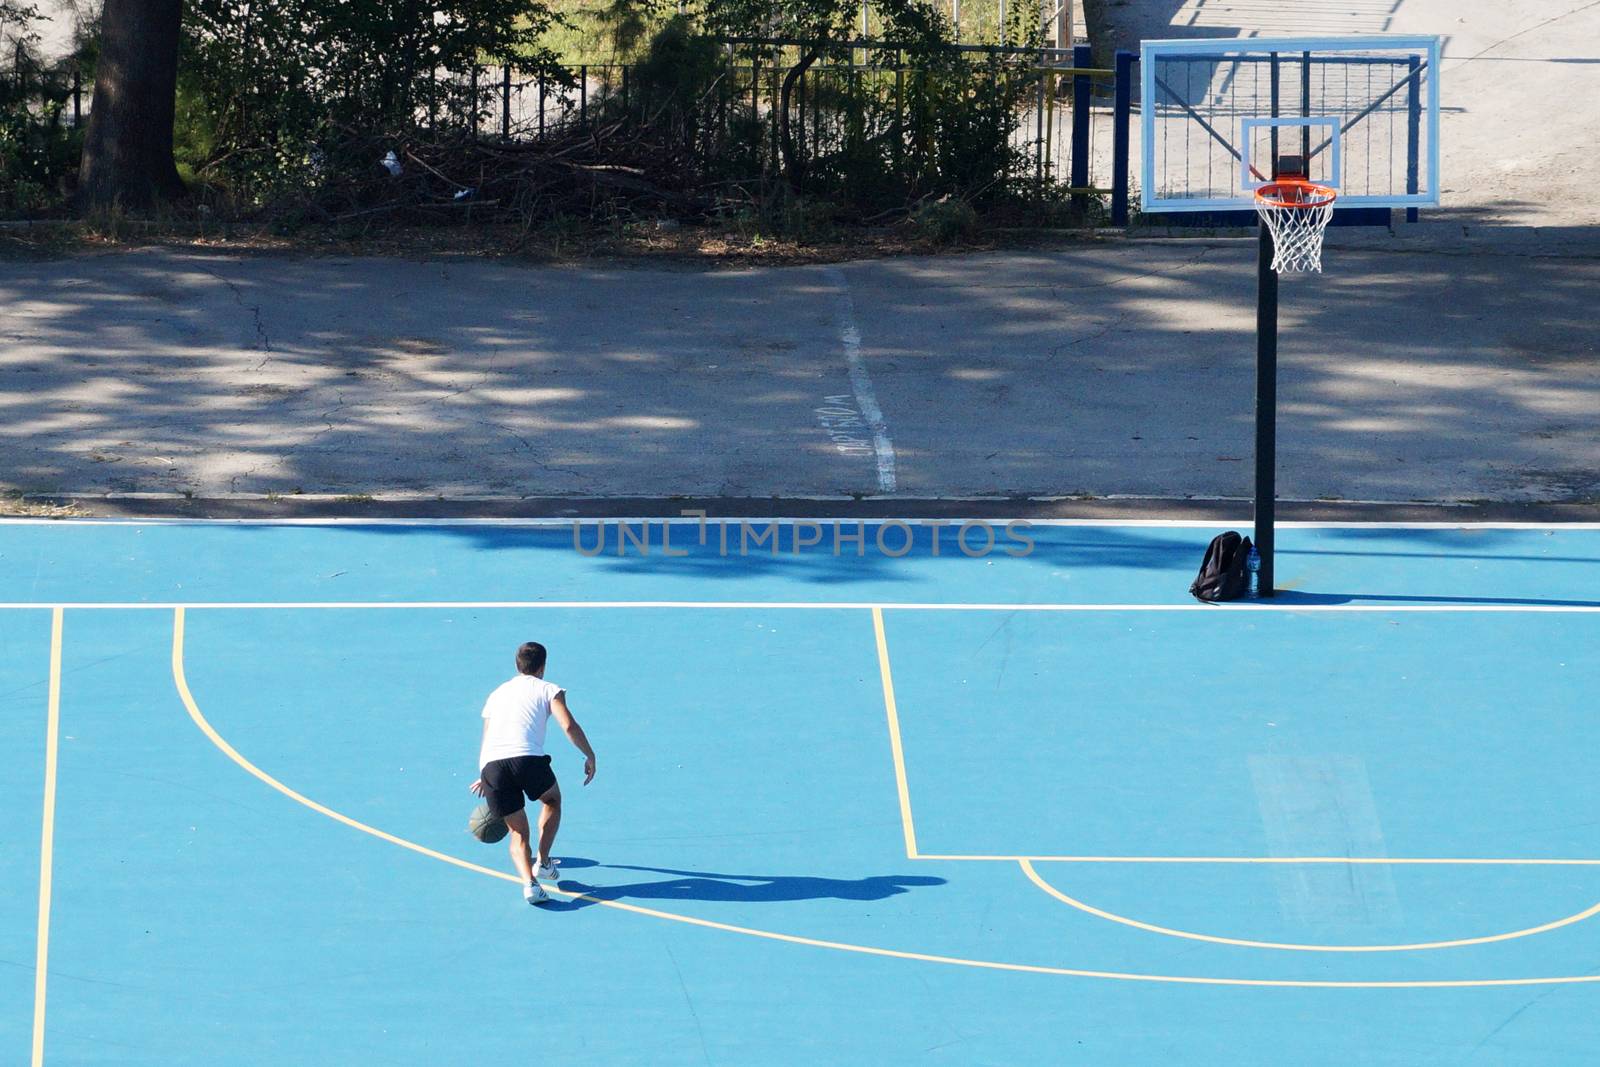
(761, 605)
(861, 381)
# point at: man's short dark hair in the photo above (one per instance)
(530, 658)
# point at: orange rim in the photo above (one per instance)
(1294, 193)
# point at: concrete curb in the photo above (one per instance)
(408, 506)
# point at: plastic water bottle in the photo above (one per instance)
(1252, 563)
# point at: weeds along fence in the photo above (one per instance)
(867, 123)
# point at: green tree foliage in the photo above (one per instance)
(39, 144)
(729, 107)
(275, 95)
(16, 23)
(911, 28)
(778, 101)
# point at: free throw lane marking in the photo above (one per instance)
(894, 735)
(47, 837)
(1034, 877)
(888, 685)
(793, 939)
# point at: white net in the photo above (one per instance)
(1297, 215)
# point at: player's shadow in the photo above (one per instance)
(706, 885)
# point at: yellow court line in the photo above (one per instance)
(894, 735)
(228, 750)
(1033, 876)
(794, 939)
(911, 837)
(47, 838)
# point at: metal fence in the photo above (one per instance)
(1060, 108)
(1069, 131)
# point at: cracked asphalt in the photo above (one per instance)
(1116, 368)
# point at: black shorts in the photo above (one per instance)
(509, 779)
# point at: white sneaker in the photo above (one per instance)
(534, 893)
(549, 870)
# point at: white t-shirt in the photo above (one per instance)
(516, 715)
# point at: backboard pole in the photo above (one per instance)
(1266, 403)
(1305, 107)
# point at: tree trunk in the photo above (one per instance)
(794, 167)
(127, 150)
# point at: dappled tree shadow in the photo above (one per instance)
(1097, 370)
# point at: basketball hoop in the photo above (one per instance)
(1297, 213)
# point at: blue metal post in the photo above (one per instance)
(1082, 58)
(1277, 77)
(1305, 112)
(1413, 130)
(1121, 131)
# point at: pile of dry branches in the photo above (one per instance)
(617, 168)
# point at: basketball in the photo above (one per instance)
(486, 827)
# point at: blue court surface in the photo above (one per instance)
(851, 808)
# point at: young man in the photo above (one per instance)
(514, 765)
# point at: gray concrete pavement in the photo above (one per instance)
(1115, 368)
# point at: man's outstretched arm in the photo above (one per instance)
(569, 726)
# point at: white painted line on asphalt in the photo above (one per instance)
(860, 381)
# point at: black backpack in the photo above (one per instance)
(1223, 575)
